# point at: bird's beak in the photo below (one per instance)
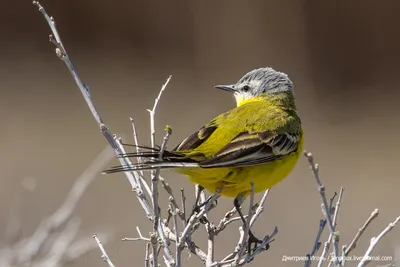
(229, 88)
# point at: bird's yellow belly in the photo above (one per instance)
(237, 180)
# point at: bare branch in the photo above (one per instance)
(172, 199)
(136, 142)
(317, 242)
(152, 114)
(246, 227)
(321, 188)
(231, 258)
(338, 206)
(174, 212)
(360, 231)
(147, 255)
(82, 247)
(104, 255)
(343, 259)
(159, 228)
(139, 159)
(326, 246)
(210, 244)
(154, 248)
(374, 241)
(260, 207)
(225, 221)
(194, 219)
(141, 237)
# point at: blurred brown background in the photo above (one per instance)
(342, 56)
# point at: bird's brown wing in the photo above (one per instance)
(196, 139)
(248, 149)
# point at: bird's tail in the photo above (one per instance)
(150, 159)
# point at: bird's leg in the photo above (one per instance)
(196, 207)
(251, 238)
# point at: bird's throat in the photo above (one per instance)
(241, 100)
(285, 101)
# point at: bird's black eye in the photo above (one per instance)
(246, 88)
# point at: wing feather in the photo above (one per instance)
(248, 149)
(196, 139)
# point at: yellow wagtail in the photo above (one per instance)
(259, 141)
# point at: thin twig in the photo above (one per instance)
(176, 230)
(155, 173)
(152, 114)
(317, 242)
(104, 255)
(147, 255)
(143, 201)
(360, 232)
(374, 241)
(168, 189)
(136, 141)
(139, 159)
(331, 236)
(246, 227)
(225, 221)
(194, 219)
(210, 235)
(154, 247)
(141, 237)
(229, 259)
(260, 207)
(82, 247)
(321, 188)
(343, 258)
(159, 228)
(193, 248)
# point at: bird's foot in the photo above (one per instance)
(254, 240)
(196, 209)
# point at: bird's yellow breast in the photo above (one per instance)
(237, 180)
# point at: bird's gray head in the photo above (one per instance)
(259, 82)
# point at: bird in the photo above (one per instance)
(250, 147)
